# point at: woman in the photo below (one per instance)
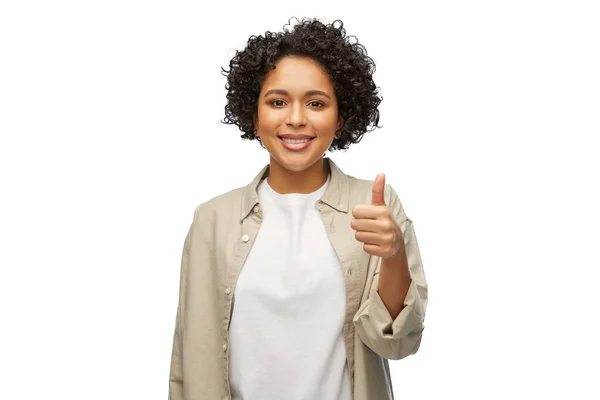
(302, 284)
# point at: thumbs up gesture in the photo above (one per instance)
(375, 225)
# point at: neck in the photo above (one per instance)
(284, 181)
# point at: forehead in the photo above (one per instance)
(301, 73)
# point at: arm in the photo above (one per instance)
(394, 282)
(176, 370)
(398, 336)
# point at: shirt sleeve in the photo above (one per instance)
(176, 367)
(396, 338)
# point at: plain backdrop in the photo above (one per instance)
(111, 136)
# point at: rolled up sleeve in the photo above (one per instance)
(396, 338)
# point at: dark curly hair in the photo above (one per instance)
(347, 65)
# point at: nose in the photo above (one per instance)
(296, 116)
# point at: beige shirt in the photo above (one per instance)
(216, 246)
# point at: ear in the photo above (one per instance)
(255, 121)
(339, 126)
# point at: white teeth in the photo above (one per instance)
(295, 141)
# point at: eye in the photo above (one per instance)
(277, 101)
(318, 103)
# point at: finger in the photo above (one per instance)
(372, 238)
(367, 225)
(369, 211)
(378, 186)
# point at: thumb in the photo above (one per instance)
(378, 186)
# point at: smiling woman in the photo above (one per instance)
(311, 82)
(297, 102)
(304, 282)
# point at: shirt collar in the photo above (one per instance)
(336, 195)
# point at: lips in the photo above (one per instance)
(295, 136)
(296, 146)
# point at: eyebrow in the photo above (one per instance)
(309, 93)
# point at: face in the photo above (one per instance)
(297, 98)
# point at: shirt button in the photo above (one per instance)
(245, 238)
(256, 208)
(228, 290)
(224, 346)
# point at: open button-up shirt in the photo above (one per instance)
(215, 248)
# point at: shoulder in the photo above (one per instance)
(226, 201)
(215, 215)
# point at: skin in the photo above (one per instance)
(376, 227)
(299, 113)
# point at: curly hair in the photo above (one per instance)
(347, 64)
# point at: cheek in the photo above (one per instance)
(324, 121)
(268, 117)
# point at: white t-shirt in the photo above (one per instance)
(285, 336)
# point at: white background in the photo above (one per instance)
(111, 136)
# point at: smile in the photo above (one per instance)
(295, 145)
